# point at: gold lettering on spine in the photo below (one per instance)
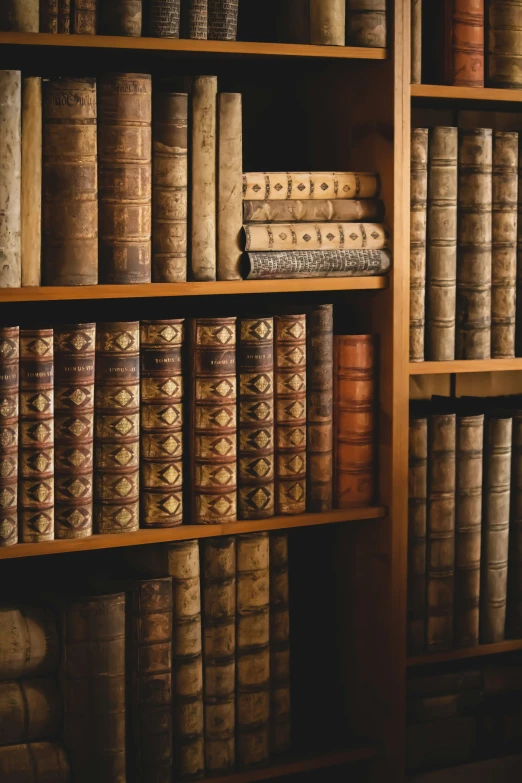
(9, 409)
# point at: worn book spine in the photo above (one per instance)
(315, 236)
(121, 17)
(70, 182)
(169, 187)
(161, 423)
(301, 211)
(84, 17)
(20, 16)
(366, 23)
(164, 18)
(9, 416)
(49, 16)
(284, 185)
(417, 512)
(518, 318)
(74, 424)
(514, 596)
(418, 198)
(31, 193)
(256, 468)
(468, 43)
(327, 22)
(195, 13)
(319, 407)
(36, 762)
(290, 413)
(252, 650)
(30, 710)
(29, 642)
(204, 146)
(504, 44)
(441, 273)
(230, 191)
(64, 16)
(474, 245)
(10, 178)
(222, 20)
(468, 528)
(117, 427)
(274, 265)
(218, 559)
(416, 41)
(280, 702)
(125, 178)
(495, 534)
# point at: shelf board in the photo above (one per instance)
(446, 92)
(465, 365)
(510, 645)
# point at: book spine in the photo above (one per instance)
(290, 413)
(418, 197)
(219, 652)
(252, 650)
(514, 597)
(355, 420)
(417, 512)
(222, 20)
(320, 185)
(327, 22)
(9, 416)
(274, 265)
(161, 423)
(203, 245)
(70, 182)
(37, 761)
(164, 18)
(504, 48)
(518, 318)
(31, 186)
(125, 178)
(366, 23)
(20, 16)
(122, 17)
(468, 529)
(319, 406)
(64, 16)
(293, 21)
(280, 721)
(36, 451)
(315, 236)
(256, 491)
(49, 16)
(300, 211)
(29, 642)
(196, 18)
(495, 535)
(11, 177)
(84, 15)
(468, 43)
(474, 245)
(117, 427)
(230, 198)
(416, 41)
(440, 566)
(74, 415)
(442, 244)
(30, 710)
(169, 188)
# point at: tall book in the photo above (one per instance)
(418, 198)
(319, 407)
(9, 415)
(195, 18)
(514, 596)
(503, 44)
(416, 41)
(11, 178)
(84, 17)
(366, 23)
(117, 427)
(49, 16)
(327, 22)
(320, 185)
(36, 449)
(161, 423)
(35, 761)
(163, 18)
(74, 425)
(230, 179)
(20, 16)
(518, 318)
(122, 17)
(64, 16)
(466, 41)
(29, 642)
(222, 20)
(30, 710)
(311, 211)
(417, 513)
(203, 238)
(31, 198)
(280, 702)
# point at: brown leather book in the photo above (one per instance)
(194, 18)
(31, 199)
(366, 23)
(163, 18)
(319, 408)
(467, 36)
(280, 702)
(117, 427)
(9, 414)
(417, 512)
(418, 197)
(518, 318)
(64, 16)
(70, 182)
(161, 423)
(222, 20)
(30, 710)
(504, 44)
(36, 762)
(29, 642)
(10, 195)
(36, 451)
(514, 595)
(416, 41)
(256, 492)
(84, 17)
(49, 16)
(124, 132)
(74, 428)
(121, 17)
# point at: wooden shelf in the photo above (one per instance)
(445, 92)
(460, 655)
(463, 365)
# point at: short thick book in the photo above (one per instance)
(315, 236)
(273, 265)
(366, 23)
(269, 186)
(9, 414)
(29, 642)
(36, 761)
(30, 710)
(121, 17)
(313, 211)
(222, 20)
(163, 18)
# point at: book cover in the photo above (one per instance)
(30, 644)
(204, 159)
(417, 514)
(222, 20)
(418, 198)
(10, 175)
(230, 193)
(366, 23)
(284, 185)
(319, 407)
(31, 197)
(9, 418)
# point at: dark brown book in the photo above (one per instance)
(195, 18)
(36, 762)
(30, 710)
(124, 131)
(9, 415)
(280, 702)
(366, 23)
(49, 16)
(117, 427)
(256, 492)
(164, 18)
(121, 17)
(445, 742)
(319, 408)
(84, 17)
(29, 642)
(417, 513)
(418, 199)
(466, 39)
(64, 16)
(514, 595)
(222, 20)
(503, 44)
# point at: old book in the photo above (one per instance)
(49, 16)
(121, 17)
(418, 198)
(70, 182)
(29, 642)
(417, 512)
(84, 17)
(315, 263)
(222, 20)
(327, 22)
(163, 18)
(252, 650)
(230, 178)
(441, 743)
(302, 211)
(280, 702)
(354, 401)
(94, 687)
(36, 762)
(31, 193)
(447, 683)
(504, 244)
(474, 245)
(495, 532)
(218, 559)
(169, 187)
(314, 236)
(279, 186)
(30, 710)
(125, 172)
(416, 41)
(441, 272)
(20, 16)
(74, 428)
(518, 318)
(366, 23)
(467, 42)
(504, 46)
(10, 178)
(195, 13)
(214, 421)
(290, 413)
(203, 244)
(161, 423)
(319, 407)
(9, 415)
(36, 449)
(514, 594)
(256, 490)
(64, 16)
(117, 427)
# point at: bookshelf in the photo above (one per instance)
(464, 366)
(428, 659)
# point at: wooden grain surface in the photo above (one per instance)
(446, 92)
(426, 659)
(461, 366)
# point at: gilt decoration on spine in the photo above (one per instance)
(319, 185)
(280, 739)
(418, 197)
(10, 178)
(319, 386)
(84, 16)
(9, 415)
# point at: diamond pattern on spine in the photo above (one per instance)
(9, 387)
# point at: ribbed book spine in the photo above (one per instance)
(49, 16)
(327, 22)
(21, 761)
(280, 702)
(84, 16)
(222, 20)
(504, 46)
(196, 18)
(10, 175)
(163, 18)
(9, 415)
(314, 236)
(468, 43)
(319, 406)
(29, 642)
(320, 185)
(230, 194)
(31, 203)
(417, 513)
(416, 41)
(518, 320)
(20, 16)
(297, 210)
(418, 197)
(122, 17)
(514, 596)
(30, 710)
(296, 264)
(64, 16)
(204, 151)
(366, 23)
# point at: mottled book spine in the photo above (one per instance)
(30, 710)
(37, 762)
(20, 16)
(474, 245)
(418, 197)
(84, 16)
(169, 188)
(74, 424)
(163, 18)
(196, 18)
(36, 486)
(297, 210)
(122, 17)
(514, 596)
(49, 16)
(416, 41)
(518, 319)
(64, 16)
(417, 512)
(125, 178)
(320, 185)
(327, 22)
(230, 192)
(504, 44)
(9, 414)
(222, 20)
(10, 178)
(468, 43)
(203, 244)
(366, 23)
(280, 725)
(319, 407)
(117, 427)
(253, 653)
(315, 236)
(29, 642)
(31, 198)
(70, 183)
(219, 652)
(274, 265)
(161, 423)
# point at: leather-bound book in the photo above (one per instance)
(64, 16)
(70, 182)
(315, 236)
(121, 17)
(354, 441)
(252, 650)
(214, 419)
(169, 187)
(230, 178)
(117, 427)
(504, 47)
(467, 42)
(416, 41)
(31, 204)
(30, 710)
(290, 413)
(36, 454)
(320, 185)
(163, 18)
(297, 211)
(417, 513)
(10, 176)
(84, 16)
(319, 408)
(29, 642)
(195, 18)
(74, 347)
(94, 688)
(418, 197)
(9, 415)
(514, 595)
(327, 22)
(204, 150)
(218, 559)
(36, 762)
(222, 20)
(474, 245)
(518, 318)
(441, 273)
(297, 264)
(20, 16)
(256, 490)
(125, 152)
(49, 16)
(280, 724)
(366, 23)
